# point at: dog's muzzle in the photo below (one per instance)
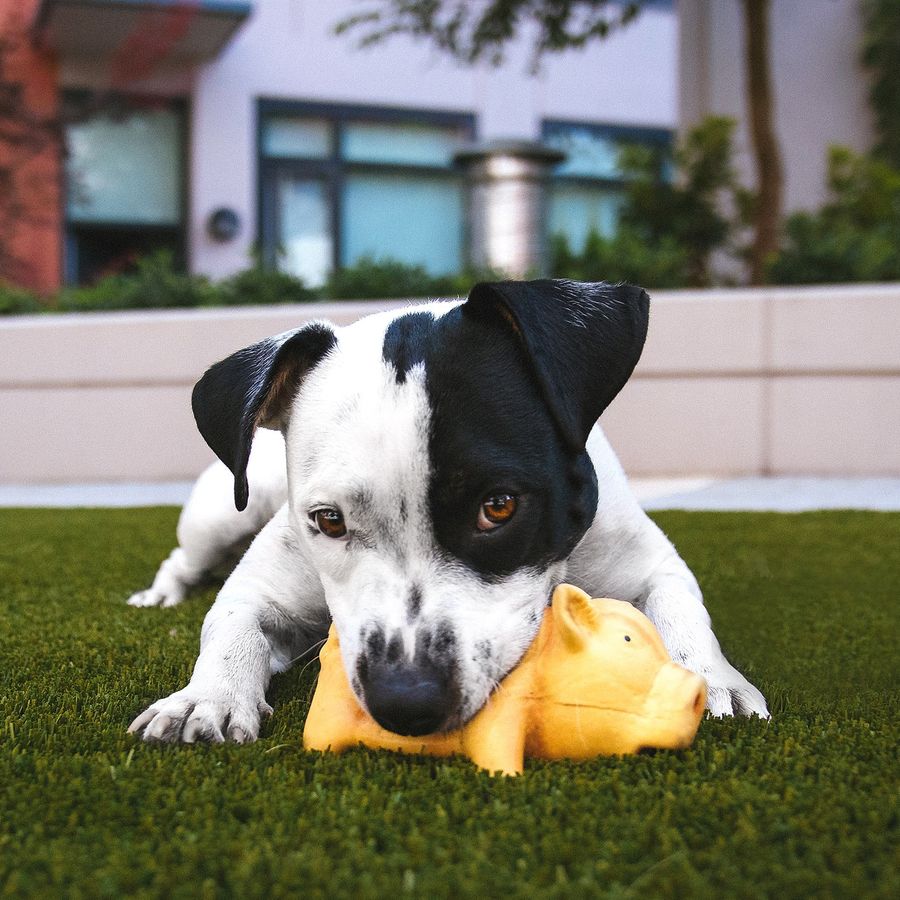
(411, 700)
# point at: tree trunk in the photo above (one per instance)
(769, 178)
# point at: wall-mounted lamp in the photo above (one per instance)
(223, 224)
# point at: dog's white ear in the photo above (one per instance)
(254, 388)
(583, 341)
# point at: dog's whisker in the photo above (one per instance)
(312, 648)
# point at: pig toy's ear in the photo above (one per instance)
(574, 616)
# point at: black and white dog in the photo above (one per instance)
(443, 474)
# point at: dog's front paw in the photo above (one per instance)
(154, 596)
(683, 624)
(728, 693)
(201, 714)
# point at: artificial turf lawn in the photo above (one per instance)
(805, 805)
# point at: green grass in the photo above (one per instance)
(802, 806)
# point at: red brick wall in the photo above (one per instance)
(31, 202)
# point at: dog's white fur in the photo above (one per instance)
(291, 580)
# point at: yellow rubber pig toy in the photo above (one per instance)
(596, 680)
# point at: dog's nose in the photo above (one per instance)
(408, 700)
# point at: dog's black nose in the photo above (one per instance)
(408, 700)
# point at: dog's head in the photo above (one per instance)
(437, 472)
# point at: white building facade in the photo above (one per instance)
(316, 153)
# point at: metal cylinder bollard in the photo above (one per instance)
(506, 205)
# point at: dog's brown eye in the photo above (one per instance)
(330, 522)
(496, 510)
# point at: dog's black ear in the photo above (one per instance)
(583, 341)
(254, 387)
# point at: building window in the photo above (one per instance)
(339, 183)
(587, 190)
(124, 187)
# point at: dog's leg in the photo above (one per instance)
(668, 594)
(211, 532)
(673, 602)
(626, 555)
(270, 612)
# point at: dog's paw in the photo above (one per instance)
(728, 693)
(195, 714)
(153, 596)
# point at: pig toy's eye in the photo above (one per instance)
(627, 638)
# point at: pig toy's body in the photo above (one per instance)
(596, 680)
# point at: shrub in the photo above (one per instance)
(258, 286)
(157, 285)
(881, 51)
(853, 237)
(154, 285)
(14, 300)
(386, 278)
(371, 279)
(623, 257)
(668, 228)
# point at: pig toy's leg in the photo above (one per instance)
(495, 739)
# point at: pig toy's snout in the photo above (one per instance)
(698, 704)
(675, 707)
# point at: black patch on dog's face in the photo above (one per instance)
(492, 432)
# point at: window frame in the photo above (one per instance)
(77, 105)
(333, 170)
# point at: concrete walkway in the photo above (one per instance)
(782, 494)
(778, 494)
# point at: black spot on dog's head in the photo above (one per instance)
(405, 341)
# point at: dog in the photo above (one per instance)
(429, 477)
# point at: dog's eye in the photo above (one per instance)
(330, 522)
(496, 510)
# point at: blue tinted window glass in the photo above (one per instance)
(410, 145)
(588, 153)
(593, 150)
(304, 219)
(126, 170)
(575, 211)
(412, 220)
(288, 137)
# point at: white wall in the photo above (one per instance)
(288, 50)
(732, 382)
